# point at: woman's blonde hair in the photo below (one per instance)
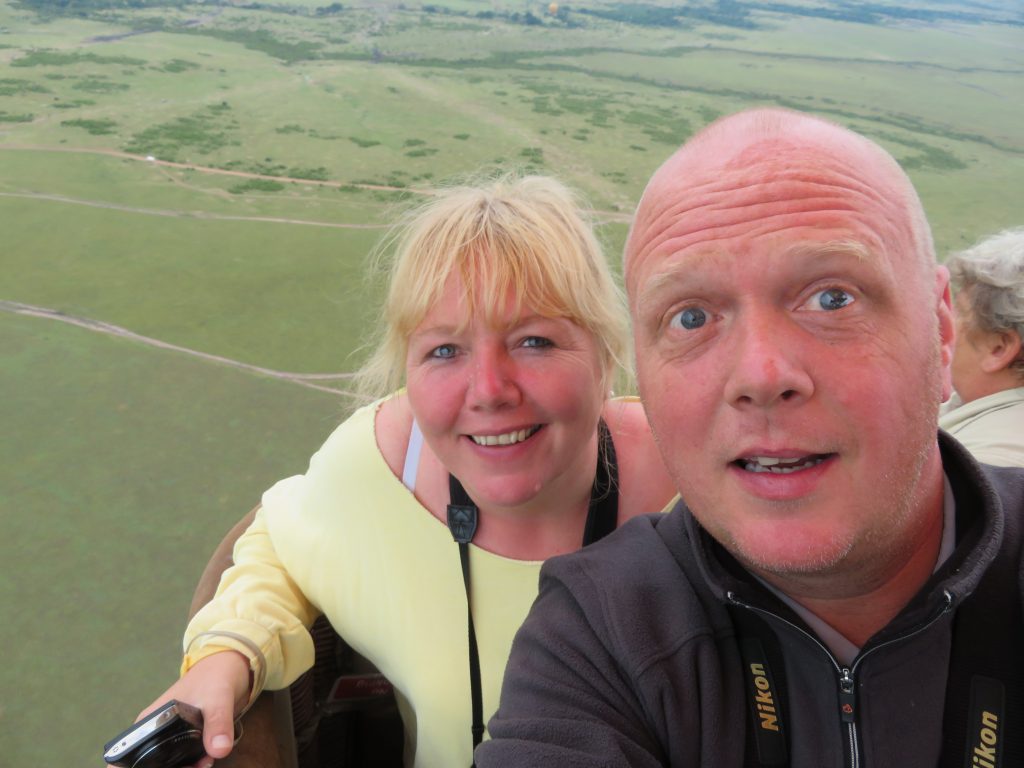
(527, 237)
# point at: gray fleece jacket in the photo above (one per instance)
(631, 655)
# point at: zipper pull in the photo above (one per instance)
(847, 696)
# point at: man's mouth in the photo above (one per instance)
(508, 438)
(778, 465)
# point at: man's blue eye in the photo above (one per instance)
(444, 351)
(690, 318)
(834, 298)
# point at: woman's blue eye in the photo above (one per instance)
(690, 318)
(834, 298)
(444, 351)
(536, 342)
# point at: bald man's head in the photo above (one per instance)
(793, 336)
(772, 154)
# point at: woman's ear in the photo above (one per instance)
(1001, 349)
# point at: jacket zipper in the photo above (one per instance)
(848, 714)
(847, 682)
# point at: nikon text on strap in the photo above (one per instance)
(983, 725)
(764, 688)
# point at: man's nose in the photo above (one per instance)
(493, 381)
(767, 362)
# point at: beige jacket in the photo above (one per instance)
(991, 427)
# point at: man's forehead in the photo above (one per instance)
(762, 199)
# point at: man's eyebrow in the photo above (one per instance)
(654, 285)
(845, 248)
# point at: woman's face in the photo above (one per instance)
(511, 411)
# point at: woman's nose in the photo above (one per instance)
(493, 383)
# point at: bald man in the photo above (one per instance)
(841, 586)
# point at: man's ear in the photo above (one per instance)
(944, 312)
(1001, 349)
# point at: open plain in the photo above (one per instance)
(189, 193)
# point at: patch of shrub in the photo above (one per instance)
(313, 174)
(95, 127)
(256, 185)
(7, 117)
(179, 65)
(542, 106)
(261, 40)
(364, 143)
(97, 85)
(59, 59)
(198, 131)
(292, 128)
(72, 104)
(422, 152)
(533, 154)
(461, 136)
(263, 169)
(12, 86)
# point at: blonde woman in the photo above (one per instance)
(505, 327)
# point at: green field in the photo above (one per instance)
(213, 176)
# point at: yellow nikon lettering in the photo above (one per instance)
(984, 755)
(769, 721)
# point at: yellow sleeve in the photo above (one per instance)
(259, 611)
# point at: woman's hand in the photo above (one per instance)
(219, 686)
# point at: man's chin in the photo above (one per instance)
(789, 554)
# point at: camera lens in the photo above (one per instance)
(172, 751)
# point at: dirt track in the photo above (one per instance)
(302, 379)
(603, 216)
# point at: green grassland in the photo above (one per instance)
(283, 139)
(115, 491)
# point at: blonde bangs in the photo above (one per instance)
(522, 240)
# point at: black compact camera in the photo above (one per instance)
(169, 737)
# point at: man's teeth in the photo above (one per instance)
(509, 438)
(779, 466)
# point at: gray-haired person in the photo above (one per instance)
(986, 412)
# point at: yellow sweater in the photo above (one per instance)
(349, 540)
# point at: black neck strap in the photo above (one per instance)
(602, 515)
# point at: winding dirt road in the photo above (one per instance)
(601, 216)
(308, 380)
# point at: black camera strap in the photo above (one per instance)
(463, 516)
